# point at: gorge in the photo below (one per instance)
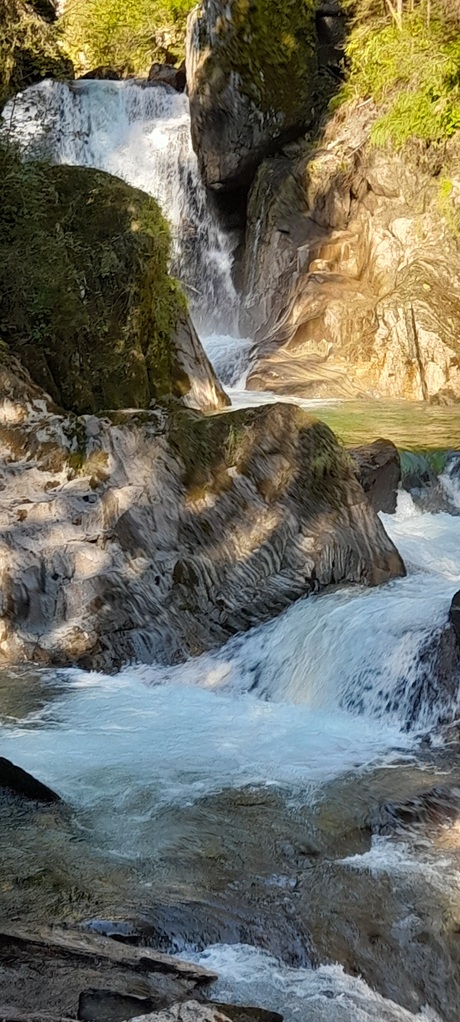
(240, 674)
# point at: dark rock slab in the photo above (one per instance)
(112, 1006)
(102, 74)
(379, 472)
(164, 74)
(18, 781)
(454, 616)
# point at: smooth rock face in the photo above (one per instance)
(249, 73)
(352, 274)
(379, 472)
(158, 535)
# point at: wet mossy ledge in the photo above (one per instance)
(86, 299)
(156, 535)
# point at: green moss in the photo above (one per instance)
(86, 300)
(30, 47)
(271, 44)
(412, 72)
(447, 205)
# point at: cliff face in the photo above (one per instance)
(159, 535)
(352, 268)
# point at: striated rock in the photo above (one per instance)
(113, 328)
(379, 472)
(351, 271)
(18, 781)
(102, 73)
(158, 535)
(250, 71)
(164, 74)
(432, 808)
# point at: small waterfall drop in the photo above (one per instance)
(140, 133)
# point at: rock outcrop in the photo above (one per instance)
(86, 298)
(250, 72)
(164, 74)
(379, 472)
(16, 780)
(352, 269)
(159, 534)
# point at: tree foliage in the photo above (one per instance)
(29, 47)
(125, 34)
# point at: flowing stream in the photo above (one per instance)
(223, 805)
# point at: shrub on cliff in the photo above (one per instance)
(410, 66)
(86, 300)
(29, 46)
(125, 34)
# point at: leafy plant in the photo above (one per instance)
(125, 34)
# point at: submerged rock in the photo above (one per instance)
(379, 472)
(159, 535)
(352, 275)
(20, 782)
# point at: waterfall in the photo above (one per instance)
(140, 133)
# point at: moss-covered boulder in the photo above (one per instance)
(86, 300)
(29, 45)
(251, 68)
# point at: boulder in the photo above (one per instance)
(250, 73)
(158, 535)
(351, 272)
(111, 1006)
(16, 780)
(164, 74)
(195, 1011)
(102, 74)
(379, 472)
(91, 254)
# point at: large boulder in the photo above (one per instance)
(250, 73)
(379, 472)
(352, 271)
(158, 535)
(86, 298)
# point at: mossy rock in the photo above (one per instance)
(29, 46)
(251, 81)
(86, 299)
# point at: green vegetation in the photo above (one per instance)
(272, 45)
(408, 61)
(86, 300)
(127, 35)
(29, 46)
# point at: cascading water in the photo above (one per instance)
(338, 686)
(140, 133)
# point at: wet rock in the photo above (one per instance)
(164, 74)
(194, 1011)
(17, 780)
(454, 617)
(111, 1006)
(160, 534)
(121, 930)
(102, 73)
(379, 472)
(435, 807)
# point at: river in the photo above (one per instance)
(228, 808)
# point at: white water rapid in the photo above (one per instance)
(339, 685)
